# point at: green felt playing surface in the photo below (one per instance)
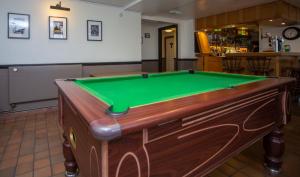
(123, 92)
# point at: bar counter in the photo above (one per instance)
(265, 54)
(280, 60)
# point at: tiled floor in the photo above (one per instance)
(30, 146)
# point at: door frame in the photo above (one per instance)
(160, 58)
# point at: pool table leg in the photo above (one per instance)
(70, 162)
(274, 149)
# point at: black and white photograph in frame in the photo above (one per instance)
(18, 26)
(58, 28)
(94, 30)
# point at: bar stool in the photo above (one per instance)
(232, 64)
(259, 65)
(294, 71)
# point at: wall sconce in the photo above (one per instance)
(59, 7)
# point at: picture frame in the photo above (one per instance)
(58, 28)
(147, 35)
(18, 26)
(94, 30)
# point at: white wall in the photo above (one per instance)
(121, 35)
(263, 43)
(150, 45)
(186, 41)
(186, 30)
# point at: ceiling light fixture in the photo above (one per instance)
(270, 20)
(283, 23)
(59, 7)
(168, 30)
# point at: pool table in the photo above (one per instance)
(178, 124)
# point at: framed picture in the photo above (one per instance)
(58, 28)
(147, 35)
(94, 30)
(18, 26)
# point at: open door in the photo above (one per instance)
(168, 48)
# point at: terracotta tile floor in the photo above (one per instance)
(30, 146)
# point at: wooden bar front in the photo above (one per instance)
(279, 61)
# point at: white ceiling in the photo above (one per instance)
(118, 3)
(189, 8)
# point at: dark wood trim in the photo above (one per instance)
(83, 64)
(113, 63)
(176, 64)
(160, 58)
(186, 59)
(150, 60)
(178, 59)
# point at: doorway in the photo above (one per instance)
(168, 48)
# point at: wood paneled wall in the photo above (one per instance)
(274, 10)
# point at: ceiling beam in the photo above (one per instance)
(131, 4)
